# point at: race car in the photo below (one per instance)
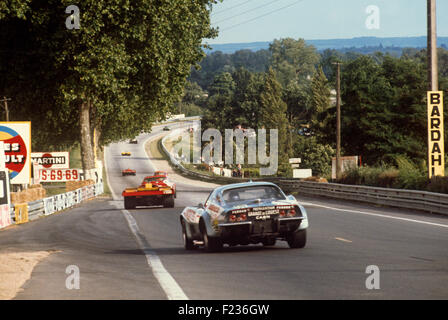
(244, 213)
(125, 153)
(154, 190)
(133, 141)
(166, 128)
(128, 172)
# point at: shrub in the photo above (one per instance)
(203, 167)
(251, 172)
(388, 178)
(410, 176)
(438, 184)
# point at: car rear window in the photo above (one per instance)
(147, 180)
(252, 193)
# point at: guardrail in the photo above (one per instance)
(408, 199)
(400, 198)
(23, 213)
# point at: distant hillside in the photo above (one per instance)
(399, 42)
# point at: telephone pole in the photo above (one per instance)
(433, 73)
(5, 100)
(338, 119)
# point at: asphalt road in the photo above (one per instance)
(138, 254)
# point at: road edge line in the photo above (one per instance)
(375, 214)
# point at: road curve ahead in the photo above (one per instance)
(138, 254)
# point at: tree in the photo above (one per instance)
(383, 110)
(292, 60)
(126, 65)
(273, 116)
(314, 155)
(219, 103)
(320, 103)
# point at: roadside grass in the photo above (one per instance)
(158, 153)
(156, 150)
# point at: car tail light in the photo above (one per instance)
(238, 215)
(282, 213)
(291, 213)
(242, 217)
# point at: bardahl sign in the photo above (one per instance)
(16, 136)
(51, 160)
(436, 141)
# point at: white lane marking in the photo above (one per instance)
(376, 215)
(343, 240)
(172, 290)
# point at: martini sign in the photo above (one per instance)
(16, 137)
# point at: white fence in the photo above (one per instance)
(59, 202)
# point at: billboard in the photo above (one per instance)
(436, 141)
(16, 137)
(51, 160)
(347, 162)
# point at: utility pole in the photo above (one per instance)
(5, 100)
(338, 120)
(436, 139)
(433, 74)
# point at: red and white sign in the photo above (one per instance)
(59, 175)
(5, 216)
(16, 137)
(51, 160)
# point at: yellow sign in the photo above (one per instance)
(436, 141)
(21, 213)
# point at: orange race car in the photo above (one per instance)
(154, 190)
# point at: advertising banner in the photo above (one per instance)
(16, 137)
(51, 160)
(59, 175)
(436, 141)
(5, 216)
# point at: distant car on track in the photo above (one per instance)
(245, 213)
(125, 153)
(133, 141)
(128, 172)
(154, 190)
(166, 129)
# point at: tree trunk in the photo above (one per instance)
(96, 139)
(87, 155)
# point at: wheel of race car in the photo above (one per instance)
(269, 242)
(296, 239)
(168, 202)
(188, 243)
(211, 244)
(129, 203)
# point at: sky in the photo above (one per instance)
(265, 20)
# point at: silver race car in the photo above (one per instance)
(245, 213)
